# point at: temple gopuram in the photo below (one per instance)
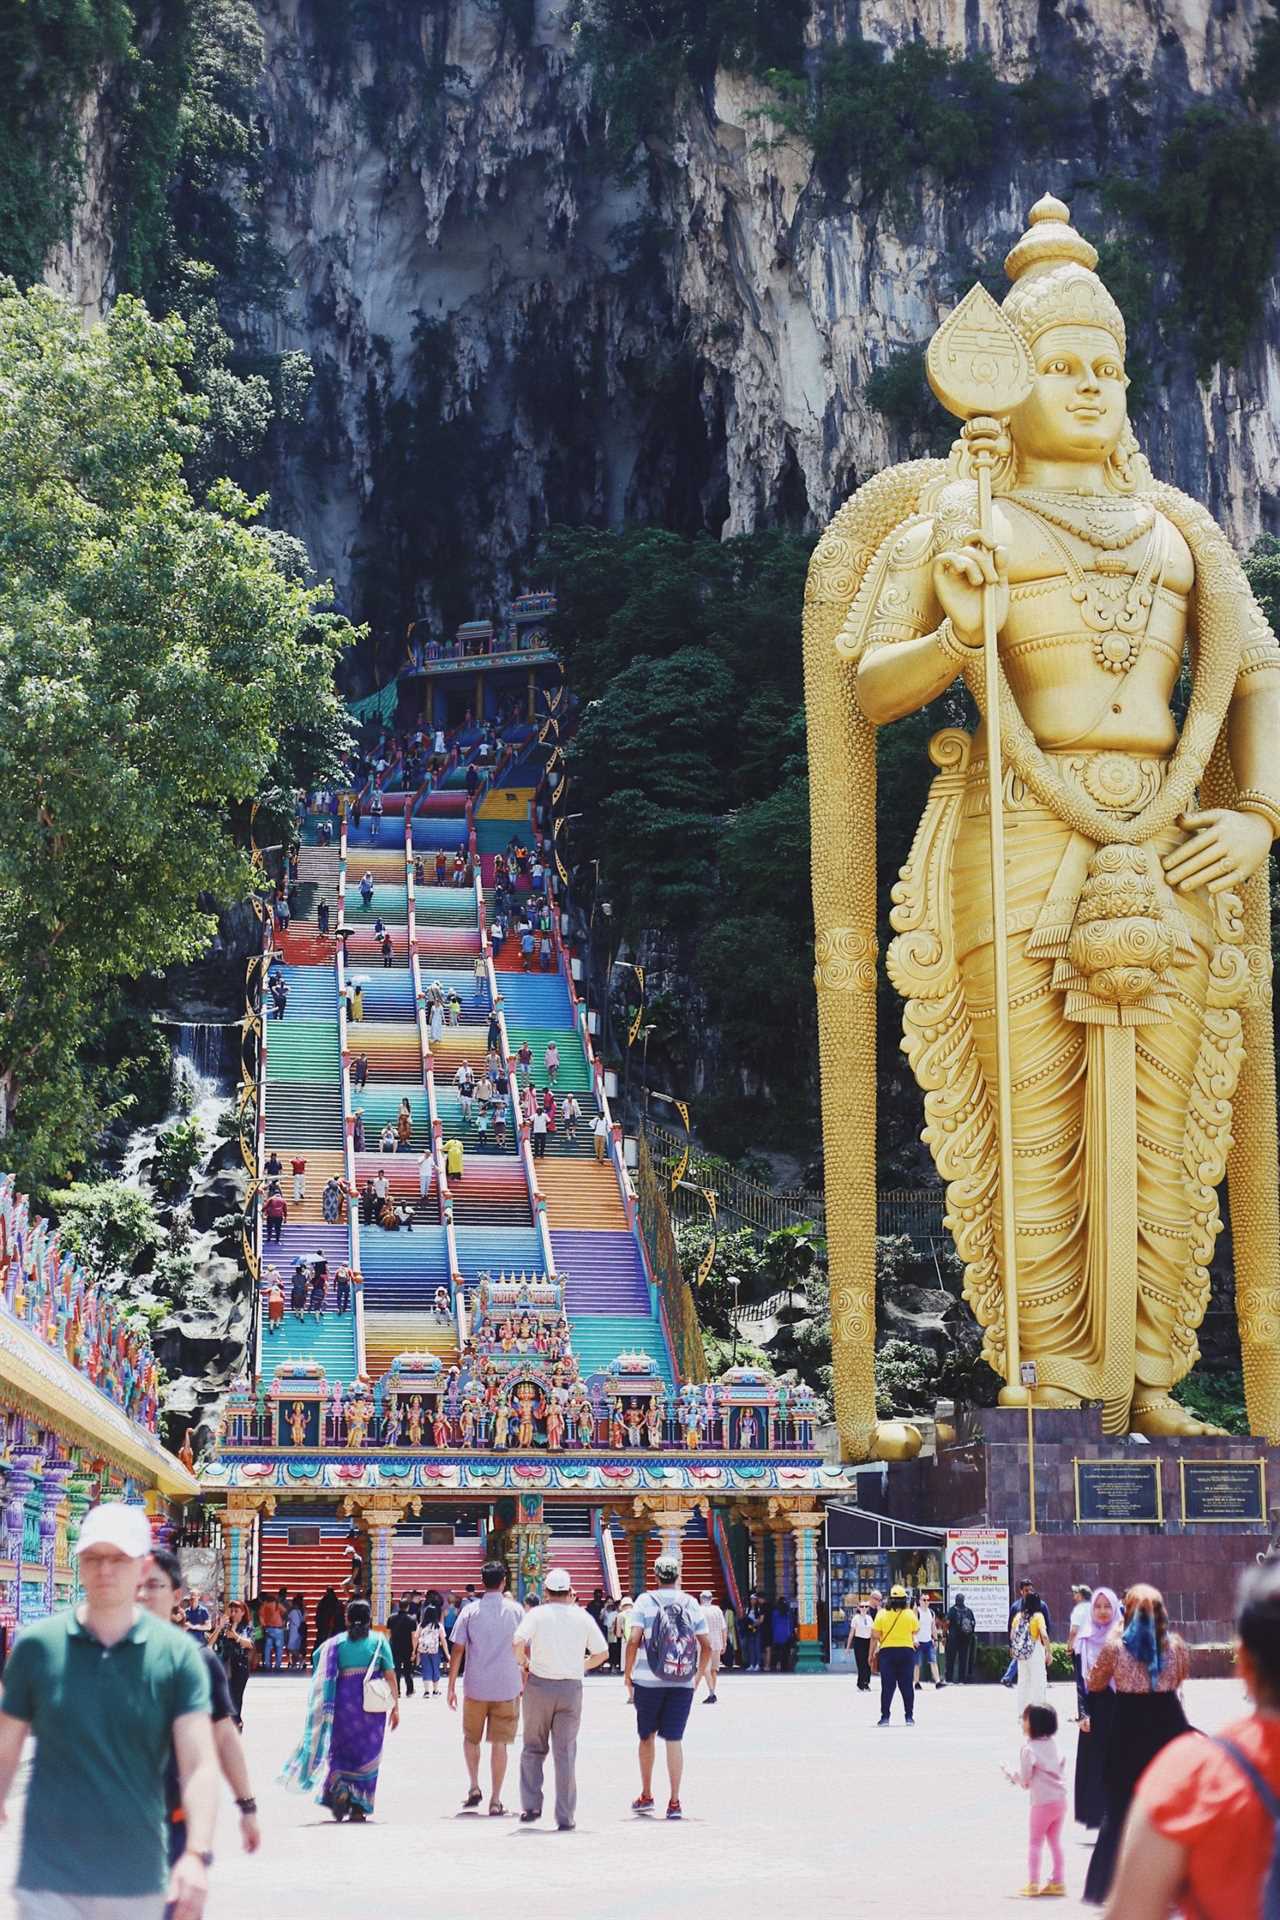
(491, 1364)
(79, 1407)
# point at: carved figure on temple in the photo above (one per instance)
(413, 1420)
(692, 1427)
(1089, 1103)
(616, 1435)
(297, 1424)
(359, 1413)
(501, 1425)
(746, 1430)
(653, 1425)
(439, 1428)
(526, 1405)
(468, 1423)
(635, 1430)
(555, 1425)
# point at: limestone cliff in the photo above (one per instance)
(504, 334)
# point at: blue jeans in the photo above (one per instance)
(429, 1667)
(750, 1643)
(273, 1653)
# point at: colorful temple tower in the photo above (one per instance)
(78, 1416)
(505, 1376)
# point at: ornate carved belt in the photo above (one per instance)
(1120, 782)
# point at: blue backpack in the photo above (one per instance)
(672, 1645)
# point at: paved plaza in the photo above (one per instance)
(796, 1805)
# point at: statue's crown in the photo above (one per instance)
(1054, 283)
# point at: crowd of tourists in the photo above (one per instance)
(135, 1700)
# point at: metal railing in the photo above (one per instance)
(677, 1298)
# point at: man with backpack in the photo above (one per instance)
(668, 1653)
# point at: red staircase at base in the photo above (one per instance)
(304, 1570)
(449, 1569)
(700, 1568)
(581, 1558)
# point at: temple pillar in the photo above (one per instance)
(805, 1528)
(380, 1517)
(237, 1552)
(52, 1485)
(671, 1523)
(530, 1538)
(81, 1492)
(159, 1518)
(23, 1473)
(532, 695)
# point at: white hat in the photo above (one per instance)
(557, 1581)
(114, 1524)
(706, 1594)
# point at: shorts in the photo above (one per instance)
(41, 1904)
(662, 1710)
(497, 1721)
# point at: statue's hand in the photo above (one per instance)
(962, 575)
(1225, 848)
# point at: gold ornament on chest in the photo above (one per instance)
(1118, 614)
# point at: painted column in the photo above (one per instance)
(22, 1478)
(531, 1537)
(805, 1528)
(81, 1491)
(768, 1564)
(52, 1483)
(533, 694)
(159, 1518)
(237, 1553)
(380, 1521)
(671, 1523)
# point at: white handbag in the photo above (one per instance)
(377, 1694)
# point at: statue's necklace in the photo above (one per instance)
(1119, 630)
(1103, 523)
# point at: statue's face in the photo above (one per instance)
(1077, 409)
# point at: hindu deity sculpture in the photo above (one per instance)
(555, 1425)
(439, 1428)
(653, 1424)
(526, 1406)
(1136, 1019)
(298, 1424)
(501, 1426)
(413, 1420)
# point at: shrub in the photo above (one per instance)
(179, 1150)
(107, 1225)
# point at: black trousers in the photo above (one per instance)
(862, 1655)
(403, 1657)
(960, 1657)
(897, 1672)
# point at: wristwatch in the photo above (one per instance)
(248, 1805)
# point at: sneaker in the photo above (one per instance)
(883, 1721)
(674, 1810)
(1030, 1892)
(1053, 1890)
(527, 1819)
(565, 1826)
(710, 1700)
(643, 1803)
(910, 1720)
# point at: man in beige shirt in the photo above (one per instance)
(555, 1644)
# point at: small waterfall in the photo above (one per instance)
(204, 1043)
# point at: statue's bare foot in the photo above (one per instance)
(1052, 1399)
(1159, 1416)
(895, 1440)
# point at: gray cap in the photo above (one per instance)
(668, 1563)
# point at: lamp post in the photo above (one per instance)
(644, 1072)
(735, 1281)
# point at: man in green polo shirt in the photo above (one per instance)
(106, 1689)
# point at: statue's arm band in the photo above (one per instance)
(949, 643)
(1250, 800)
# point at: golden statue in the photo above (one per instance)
(1135, 1026)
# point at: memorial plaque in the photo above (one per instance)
(1224, 1491)
(1118, 1493)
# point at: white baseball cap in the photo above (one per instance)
(706, 1594)
(114, 1524)
(557, 1581)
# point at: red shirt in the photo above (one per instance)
(1196, 1796)
(298, 1166)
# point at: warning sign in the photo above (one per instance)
(978, 1568)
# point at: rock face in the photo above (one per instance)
(692, 346)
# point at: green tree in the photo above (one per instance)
(108, 1226)
(159, 659)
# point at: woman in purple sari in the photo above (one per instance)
(341, 1747)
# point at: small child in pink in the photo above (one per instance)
(1041, 1772)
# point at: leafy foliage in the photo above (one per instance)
(900, 391)
(107, 1225)
(50, 54)
(1215, 1397)
(885, 118)
(158, 659)
(1262, 566)
(638, 50)
(179, 1150)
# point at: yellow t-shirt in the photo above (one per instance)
(895, 1626)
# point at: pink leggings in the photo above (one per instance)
(1047, 1817)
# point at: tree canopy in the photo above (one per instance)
(163, 664)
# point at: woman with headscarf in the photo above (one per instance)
(1146, 1664)
(1095, 1708)
(1029, 1645)
(341, 1745)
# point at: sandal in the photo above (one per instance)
(496, 1810)
(474, 1797)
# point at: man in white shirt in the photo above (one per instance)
(555, 1644)
(717, 1634)
(1081, 1614)
(926, 1649)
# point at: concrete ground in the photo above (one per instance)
(796, 1806)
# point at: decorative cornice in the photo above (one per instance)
(395, 1476)
(42, 1383)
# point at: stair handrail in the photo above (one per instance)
(720, 1541)
(260, 1136)
(524, 1147)
(608, 1558)
(349, 1157)
(435, 1128)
